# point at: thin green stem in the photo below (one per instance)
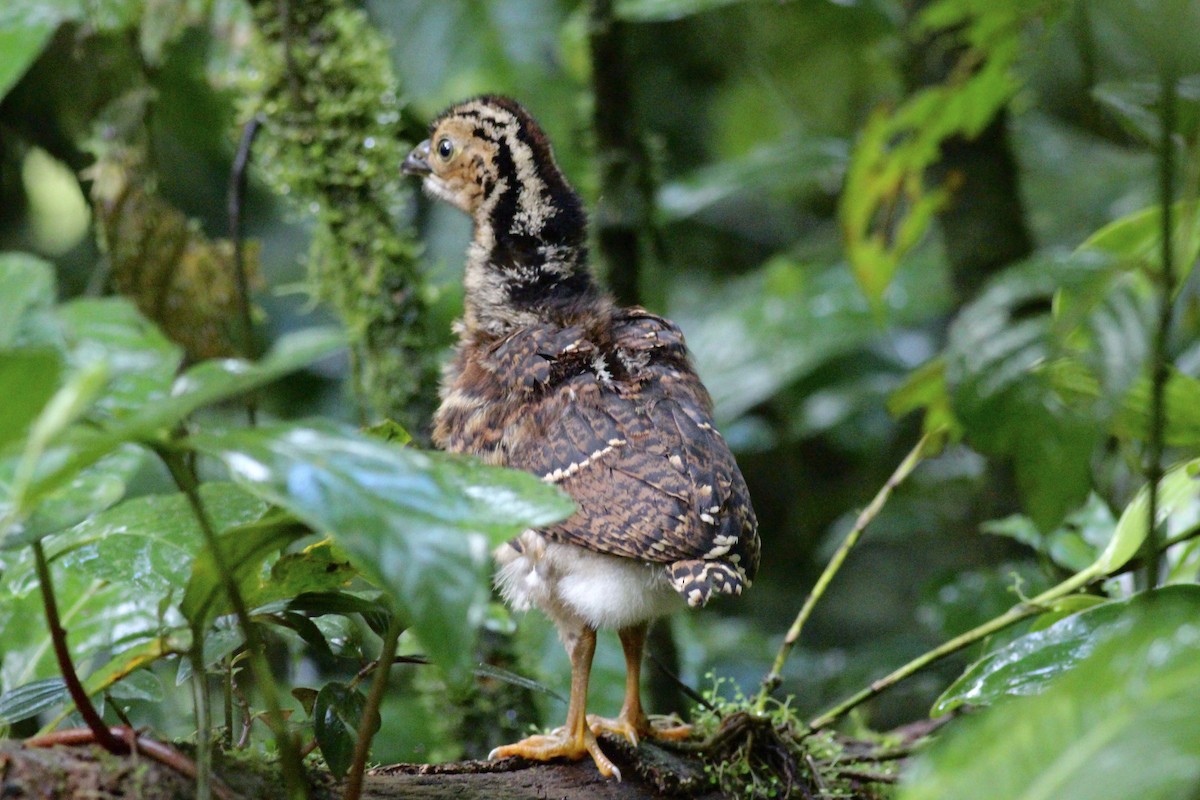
(200, 700)
(1152, 572)
(362, 745)
(865, 517)
(293, 771)
(1014, 615)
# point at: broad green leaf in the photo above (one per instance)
(1123, 723)
(785, 167)
(28, 294)
(1136, 239)
(28, 379)
(1073, 545)
(93, 489)
(407, 519)
(148, 543)
(1181, 409)
(757, 334)
(31, 699)
(305, 628)
(244, 549)
(19, 48)
(1135, 105)
(1178, 490)
(142, 362)
(1007, 353)
(142, 685)
(373, 612)
(19, 492)
(337, 713)
(320, 567)
(1027, 665)
(222, 379)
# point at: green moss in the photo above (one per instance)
(332, 145)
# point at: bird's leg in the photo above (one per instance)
(632, 723)
(574, 740)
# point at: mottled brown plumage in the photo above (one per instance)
(552, 378)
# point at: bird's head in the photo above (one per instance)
(528, 257)
(488, 157)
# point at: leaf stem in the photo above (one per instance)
(293, 772)
(1152, 571)
(1014, 615)
(58, 635)
(200, 700)
(865, 517)
(366, 732)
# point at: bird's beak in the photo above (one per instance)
(417, 162)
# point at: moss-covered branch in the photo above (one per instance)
(332, 143)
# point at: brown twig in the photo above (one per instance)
(157, 751)
(234, 205)
(58, 637)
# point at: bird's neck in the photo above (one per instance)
(527, 262)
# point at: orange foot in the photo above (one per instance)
(560, 744)
(661, 728)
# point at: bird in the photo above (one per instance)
(551, 376)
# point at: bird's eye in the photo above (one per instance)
(445, 149)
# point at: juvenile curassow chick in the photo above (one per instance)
(551, 377)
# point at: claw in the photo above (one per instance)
(559, 744)
(660, 728)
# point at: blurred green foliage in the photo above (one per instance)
(806, 158)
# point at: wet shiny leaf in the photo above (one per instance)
(409, 520)
(148, 543)
(337, 713)
(1124, 722)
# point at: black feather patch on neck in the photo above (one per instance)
(537, 224)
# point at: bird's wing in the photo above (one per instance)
(625, 428)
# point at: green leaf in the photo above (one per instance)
(925, 389)
(785, 167)
(148, 543)
(31, 699)
(1178, 490)
(757, 334)
(222, 379)
(19, 48)
(320, 567)
(1125, 722)
(28, 379)
(92, 490)
(1027, 665)
(337, 713)
(243, 549)
(142, 362)
(1135, 240)
(666, 10)
(1136, 106)
(1006, 359)
(28, 294)
(390, 431)
(373, 612)
(406, 518)
(1181, 410)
